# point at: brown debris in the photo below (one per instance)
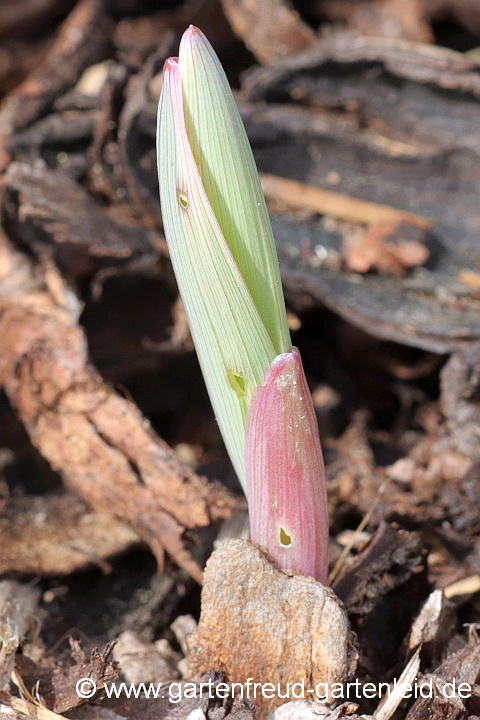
(405, 19)
(46, 209)
(19, 58)
(390, 560)
(460, 392)
(344, 115)
(98, 441)
(57, 687)
(433, 626)
(309, 710)
(374, 249)
(325, 202)
(275, 610)
(269, 41)
(56, 535)
(463, 667)
(18, 614)
(389, 572)
(140, 661)
(82, 41)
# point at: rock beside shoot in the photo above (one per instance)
(224, 257)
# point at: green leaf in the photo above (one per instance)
(232, 343)
(225, 161)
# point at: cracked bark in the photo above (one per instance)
(99, 442)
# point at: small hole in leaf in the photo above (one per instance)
(237, 383)
(285, 538)
(182, 199)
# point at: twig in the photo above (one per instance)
(325, 202)
(27, 708)
(467, 586)
(339, 564)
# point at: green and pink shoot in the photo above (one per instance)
(224, 257)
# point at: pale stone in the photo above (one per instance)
(269, 625)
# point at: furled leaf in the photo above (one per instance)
(228, 171)
(232, 343)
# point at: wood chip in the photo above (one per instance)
(56, 535)
(269, 41)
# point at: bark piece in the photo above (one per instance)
(363, 114)
(406, 19)
(46, 209)
(54, 131)
(463, 667)
(364, 584)
(251, 612)
(18, 18)
(389, 573)
(19, 58)
(56, 535)
(433, 626)
(460, 392)
(269, 41)
(99, 442)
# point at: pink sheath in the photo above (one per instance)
(287, 494)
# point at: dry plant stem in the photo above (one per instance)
(100, 443)
(325, 202)
(27, 708)
(386, 709)
(363, 524)
(466, 586)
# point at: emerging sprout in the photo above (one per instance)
(224, 257)
(287, 497)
